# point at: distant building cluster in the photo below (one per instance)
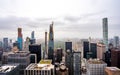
(71, 57)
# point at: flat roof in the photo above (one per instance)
(40, 67)
(113, 68)
(95, 61)
(45, 61)
(7, 67)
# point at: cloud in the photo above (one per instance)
(82, 17)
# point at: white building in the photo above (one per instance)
(96, 67)
(40, 68)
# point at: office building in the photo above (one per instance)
(115, 56)
(20, 39)
(95, 67)
(33, 58)
(85, 48)
(5, 57)
(46, 50)
(59, 55)
(116, 41)
(100, 51)
(105, 33)
(108, 58)
(51, 43)
(36, 49)
(9, 69)
(5, 43)
(27, 43)
(20, 57)
(16, 44)
(32, 35)
(69, 61)
(62, 70)
(93, 49)
(10, 45)
(1, 53)
(1, 44)
(76, 63)
(33, 40)
(44, 67)
(68, 46)
(112, 71)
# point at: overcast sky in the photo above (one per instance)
(72, 18)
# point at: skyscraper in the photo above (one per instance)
(116, 41)
(5, 43)
(85, 48)
(68, 45)
(69, 61)
(115, 57)
(77, 63)
(1, 44)
(51, 43)
(35, 49)
(45, 51)
(19, 39)
(93, 48)
(105, 32)
(32, 37)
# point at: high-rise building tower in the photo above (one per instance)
(68, 46)
(45, 51)
(36, 49)
(5, 43)
(32, 37)
(1, 44)
(85, 48)
(51, 43)
(116, 41)
(105, 32)
(77, 63)
(19, 39)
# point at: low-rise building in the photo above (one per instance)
(112, 71)
(44, 67)
(95, 67)
(9, 69)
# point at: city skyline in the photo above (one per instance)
(80, 18)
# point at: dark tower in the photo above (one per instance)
(51, 43)
(85, 48)
(45, 51)
(68, 46)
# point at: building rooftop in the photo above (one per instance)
(95, 61)
(19, 53)
(40, 67)
(45, 61)
(7, 67)
(113, 68)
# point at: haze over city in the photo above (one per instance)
(81, 18)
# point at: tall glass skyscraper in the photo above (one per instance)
(116, 41)
(51, 43)
(105, 32)
(20, 39)
(32, 37)
(5, 43)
